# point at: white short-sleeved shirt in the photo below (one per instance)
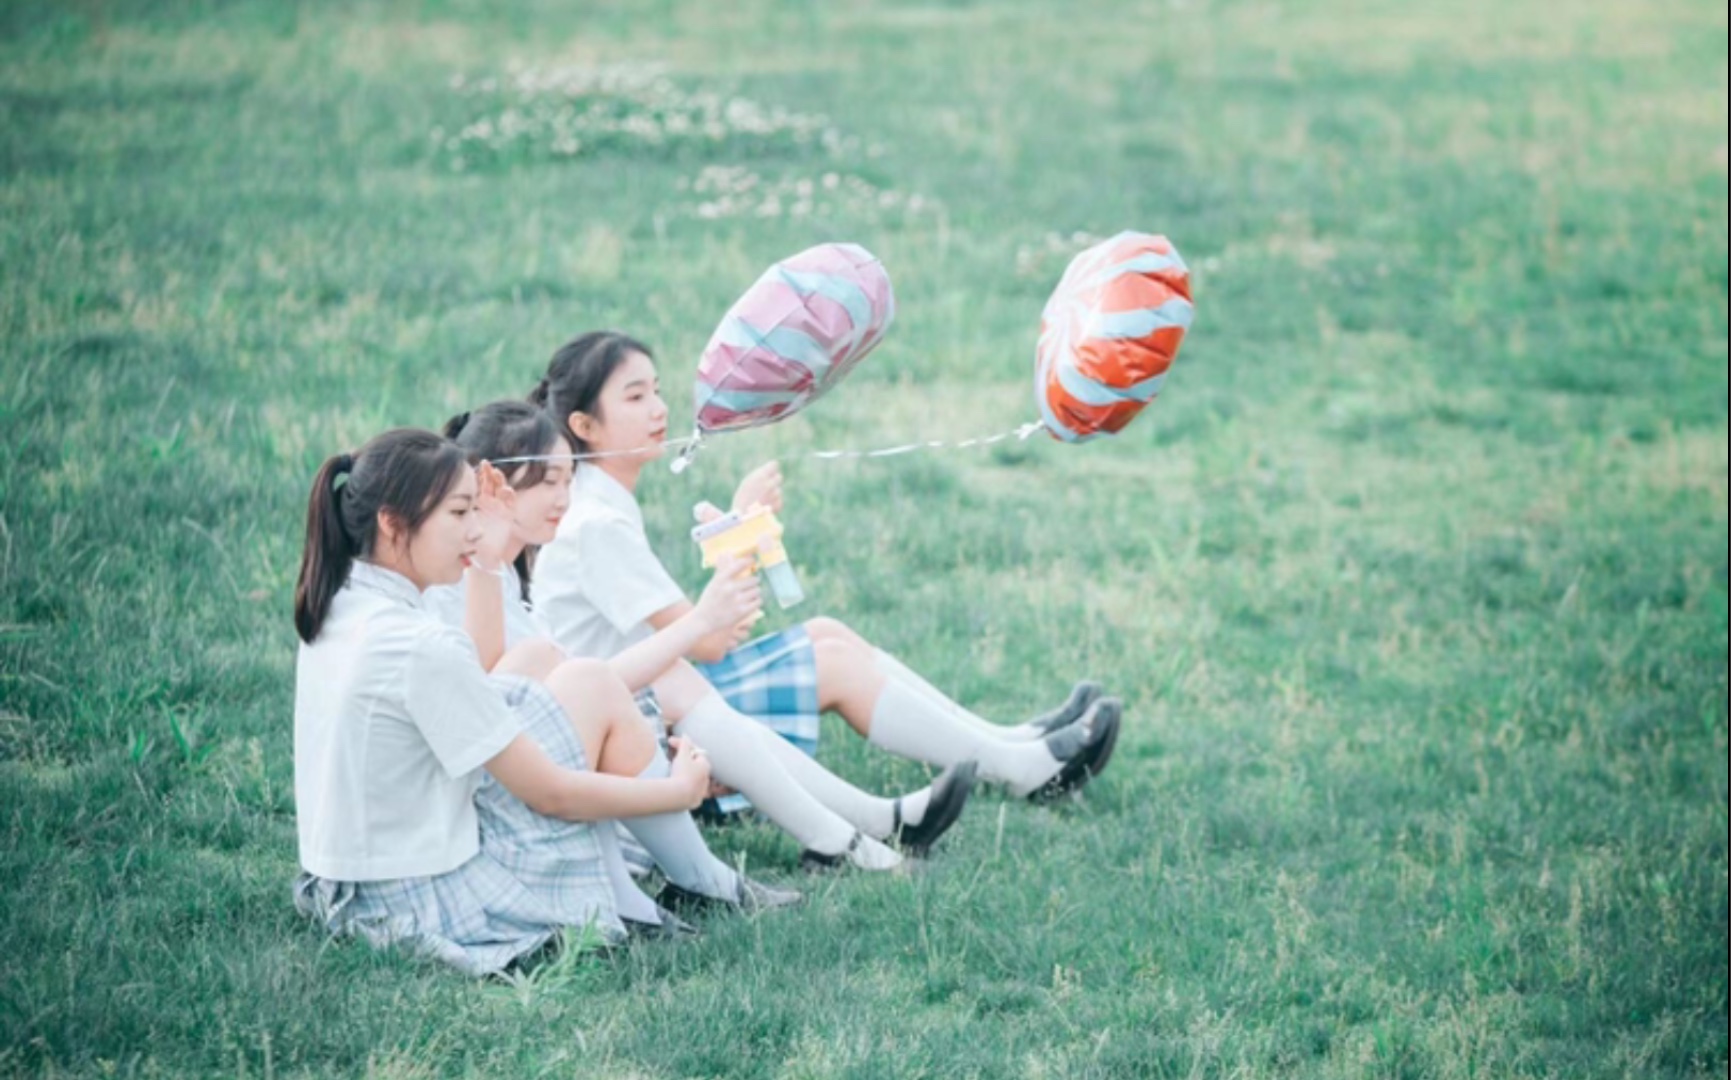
(598, 581)
(394, 718)
(451, 602)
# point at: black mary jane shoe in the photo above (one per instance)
(753, 897)
(670, 928)
(949, 794)
(822, 862)
(1082, 695)
(1104, 716)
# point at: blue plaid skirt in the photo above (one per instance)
(773, 680)
(532, 876)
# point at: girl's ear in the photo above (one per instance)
(390, 532)
(581, 424)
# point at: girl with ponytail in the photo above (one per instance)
(601, 589)
(439, 808)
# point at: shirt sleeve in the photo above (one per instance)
(463, 718)
(621, 576)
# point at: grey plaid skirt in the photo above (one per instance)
(532, 876)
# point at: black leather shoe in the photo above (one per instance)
(753, 897)
(1103, 716)
(670, 928)
(949, 794)
(818, 862)
(1082, 695)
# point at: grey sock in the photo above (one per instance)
(678, 848)
(631, 901)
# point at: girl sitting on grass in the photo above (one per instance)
(823, 812)
(437, 808)
(601, 589)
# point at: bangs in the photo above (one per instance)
(447, 469)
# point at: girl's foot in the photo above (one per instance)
(751, 898)
(943, 807)
(1081, 696)
(1101, 726)
(862, 853)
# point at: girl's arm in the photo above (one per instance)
(484, 613)
(525, 770)
(708, 648)
(483, 592)
(731, 600)
(761, 486)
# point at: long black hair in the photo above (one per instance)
(576, 375)
(503, 430)
(405, 473)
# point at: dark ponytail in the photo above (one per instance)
(405, 473)
(328, 554)
(576, 375)
(503, 431)
(455, 425)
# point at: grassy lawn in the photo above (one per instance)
(1414, 580)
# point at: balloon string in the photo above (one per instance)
(1020, 434)
(594, 455)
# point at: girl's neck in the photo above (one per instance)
(397, 563)
(625, 469)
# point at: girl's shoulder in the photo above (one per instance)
(595, 519)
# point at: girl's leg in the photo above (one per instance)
(846, 680)
(860, 682)
(744, 757)
(533, 659)
(617, 741)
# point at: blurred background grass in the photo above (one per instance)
(1414, 579)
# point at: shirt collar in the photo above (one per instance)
(592, 481)
(387, 583)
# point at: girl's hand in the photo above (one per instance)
(691, 769)
(761, 485)
(732, 597)
(496, 502)
(741, 634)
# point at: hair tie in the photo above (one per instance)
(340, 470)
(538, 396)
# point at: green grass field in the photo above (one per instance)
(1414, 579)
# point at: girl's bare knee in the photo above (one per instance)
(586, 684)
(824, 628)
(533, 659)
(581, 671)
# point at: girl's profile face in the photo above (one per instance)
(540, 506)
(443, 545)
(629, 414)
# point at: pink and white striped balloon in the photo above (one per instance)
(794, 334)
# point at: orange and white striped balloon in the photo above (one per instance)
(1109, 335)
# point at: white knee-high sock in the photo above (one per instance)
(741, 757)
(678, 848)
(911, 724)
(896, 671)
(627, 897)
(871, 814)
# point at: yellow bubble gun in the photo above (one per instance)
(743, 535)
